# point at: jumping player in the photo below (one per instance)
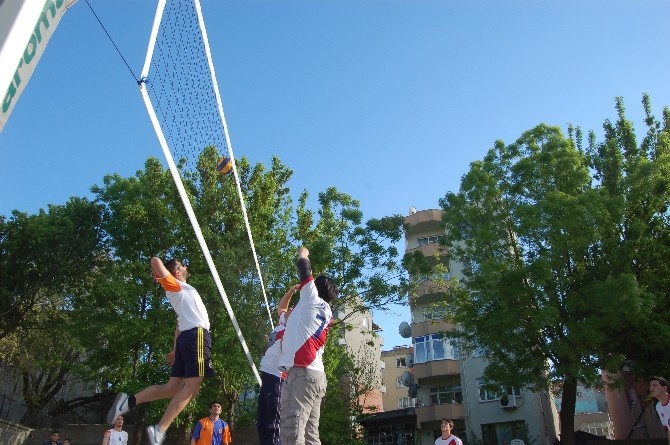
(190, 358)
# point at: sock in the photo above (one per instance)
(131, 402)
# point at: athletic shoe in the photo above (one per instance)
(119, 408)
(155, 435)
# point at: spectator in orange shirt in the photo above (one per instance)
(211, 430)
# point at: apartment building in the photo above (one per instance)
(395, 394)
(361, 336)
(450, 383)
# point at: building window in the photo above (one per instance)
(400, 362)
(398, 382)
(435, 313)
(470, 267)
(428, 240)
(365, 322)
(497, 433)
(487, 394)
(406, 402)
(435, 347)
(395, 434)
(479, 351)
(440, 395)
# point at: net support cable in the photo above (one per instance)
(177, 177)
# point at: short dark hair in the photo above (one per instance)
(171, 266)
(326, 288)
(449, 421)
(215, 402)
(68, 439)
(55, 432)
(661, 381)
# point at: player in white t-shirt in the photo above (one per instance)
(446, 426)
(267, 414)
(190, 358)
(658, 388)
(301, 358)
(116, 436)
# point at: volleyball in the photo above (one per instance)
(225, 165)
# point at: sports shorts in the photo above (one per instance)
(193, 354)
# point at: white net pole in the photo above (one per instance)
(219, 103)
(182, 191)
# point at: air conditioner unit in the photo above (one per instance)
(383, 389)
(508, 402)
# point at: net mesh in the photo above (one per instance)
(180, 86)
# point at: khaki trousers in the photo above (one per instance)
(301, 397)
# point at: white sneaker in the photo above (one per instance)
(155, 435)
(119, 407)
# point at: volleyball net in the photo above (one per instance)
(181, 94)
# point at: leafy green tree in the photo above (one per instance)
(48, 262)
(361, 257)
(556, 239)
(341, 406)
(637, 175)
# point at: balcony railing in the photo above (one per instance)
(424, 219)
(436, 368)
(431, 327)
(437, 412)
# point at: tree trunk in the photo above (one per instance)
(231, 401)
(140, 422)
(567, 415)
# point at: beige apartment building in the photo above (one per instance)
(450, 383)
(361, 336)
(394, 392)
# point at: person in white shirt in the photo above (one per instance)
(116, 436)
(190, 358)
(302, 356)
(446, 426)
(267, 414)
(658, 388)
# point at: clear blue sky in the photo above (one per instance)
(391, 99)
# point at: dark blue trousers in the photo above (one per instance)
(267, 416)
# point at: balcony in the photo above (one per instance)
(424, 220)
(430, 250)
(438, 412)
(428, 291)
(436, 368)
(431, 327)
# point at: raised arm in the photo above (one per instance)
(285, 301)
(158, 268)
(304, 267)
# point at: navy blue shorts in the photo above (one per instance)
(193, 354)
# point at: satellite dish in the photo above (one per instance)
(412, 210)
(407, 378)
(409, 360)
(405, 330)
